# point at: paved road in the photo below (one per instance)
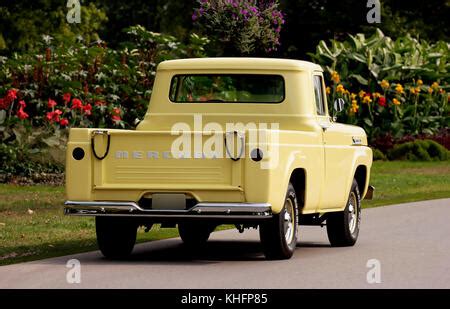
(411, 241)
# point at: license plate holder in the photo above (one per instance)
(168, 201)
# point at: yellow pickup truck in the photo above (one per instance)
(241, 141)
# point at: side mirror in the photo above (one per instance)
(339, 105)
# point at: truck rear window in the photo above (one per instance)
(227, 88)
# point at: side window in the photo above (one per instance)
(318, 92)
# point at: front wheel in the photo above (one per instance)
(115, 236)
(279, 235)
(343, 226)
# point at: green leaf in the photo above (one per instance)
(368, 122)
(2, 116)
(360, 79)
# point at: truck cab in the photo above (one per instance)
(243, 141)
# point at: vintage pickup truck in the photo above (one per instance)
(241, 141)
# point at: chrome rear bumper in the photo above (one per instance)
(201, 210)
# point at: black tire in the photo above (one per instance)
(341, 230)
(195, 234)
(276, 242)
(115, 236)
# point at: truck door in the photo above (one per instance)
(337, 158)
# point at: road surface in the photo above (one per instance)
(410, 241)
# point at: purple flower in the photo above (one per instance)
(194, 16)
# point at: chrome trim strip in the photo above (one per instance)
(209, 210)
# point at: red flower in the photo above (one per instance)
(49, 116)
(87, 109)
(116, 114)
(51, 103)
(54, 116)
(64, 122)
(76, 104)
(11, 95)
(66, 98)
(21, 114)
(57, 114)
(22, 104)
(382, 101)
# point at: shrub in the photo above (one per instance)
(67, 84)
(247, 27)
(18, 161)
(419, 150)
(64, 84)
(27, 151)
(378, 155)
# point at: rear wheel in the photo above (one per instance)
(115, 236)
(195, 233)
(343, 226)
(279, 235)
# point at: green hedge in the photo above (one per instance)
(419, 150)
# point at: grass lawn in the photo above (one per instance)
(402, 181)
(32, 224)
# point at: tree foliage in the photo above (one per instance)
(22, 23)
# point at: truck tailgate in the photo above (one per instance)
(144, 159)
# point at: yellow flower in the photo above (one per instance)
(384, 84)
(354, 109)
(362, 93)
(328, 90)
(441, 91)
(353, 96)
(430, 90)
(419, 82)
(346, 92)
(435, 85)
(376, 95)
(399, 89)
(414, 91)
(367, 99)
(335, 77)
(340, 89)
(396, 102)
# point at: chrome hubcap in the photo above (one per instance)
(353, 215)
(289, 221)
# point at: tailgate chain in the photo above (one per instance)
(241, 152)
(94, 134)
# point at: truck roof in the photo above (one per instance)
(239, 63)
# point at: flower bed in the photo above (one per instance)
(394, 87)
(71, 84)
